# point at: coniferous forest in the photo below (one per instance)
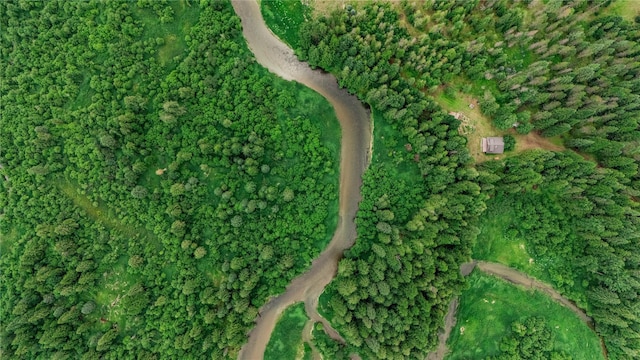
(158, 185)
(563, 69)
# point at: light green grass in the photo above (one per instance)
(389, 150)
(286, 339)
(627, 9)
(490, 305)
(496, 242)
(8, 239)
(284, 18)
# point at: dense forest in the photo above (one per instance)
(157, 185)
(420, 198)
(578, 79)
(583, 218)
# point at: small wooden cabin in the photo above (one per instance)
(493, 145)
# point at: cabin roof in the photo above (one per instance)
(493, 145)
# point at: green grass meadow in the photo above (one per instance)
(284, 18)
(490, 305)
(286, 339)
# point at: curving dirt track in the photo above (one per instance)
(513, 276)
(519, 278)
(354, 159)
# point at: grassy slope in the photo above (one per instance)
(286, 339)
(284, 18)
(488, 308)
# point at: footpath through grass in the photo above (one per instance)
(284, 18)
(286, 339)
(489, 307)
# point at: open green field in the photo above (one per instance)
(490, 305)
(284, 18)
(627, 9)
(286, 339)
(389, 149)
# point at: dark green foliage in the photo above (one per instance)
(102, 255)
(509, 143)
(394, 286)
(329, 348)
(529, 339)
(558, 69)
(581, 218)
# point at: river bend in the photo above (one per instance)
(355, 155)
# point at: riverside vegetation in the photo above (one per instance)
(560, 69)
(158, 185)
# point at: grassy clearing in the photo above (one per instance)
(627, 9)
(114, 289)
(286, 339)
(326, 7)
(490, 305)
(170, 44)
(284, 18)
(8, 239)
(476, 126)
(499, 242)
(496, 242)
(387, 143)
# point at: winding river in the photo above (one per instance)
(355, 155)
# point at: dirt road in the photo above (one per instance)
(511, 275)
